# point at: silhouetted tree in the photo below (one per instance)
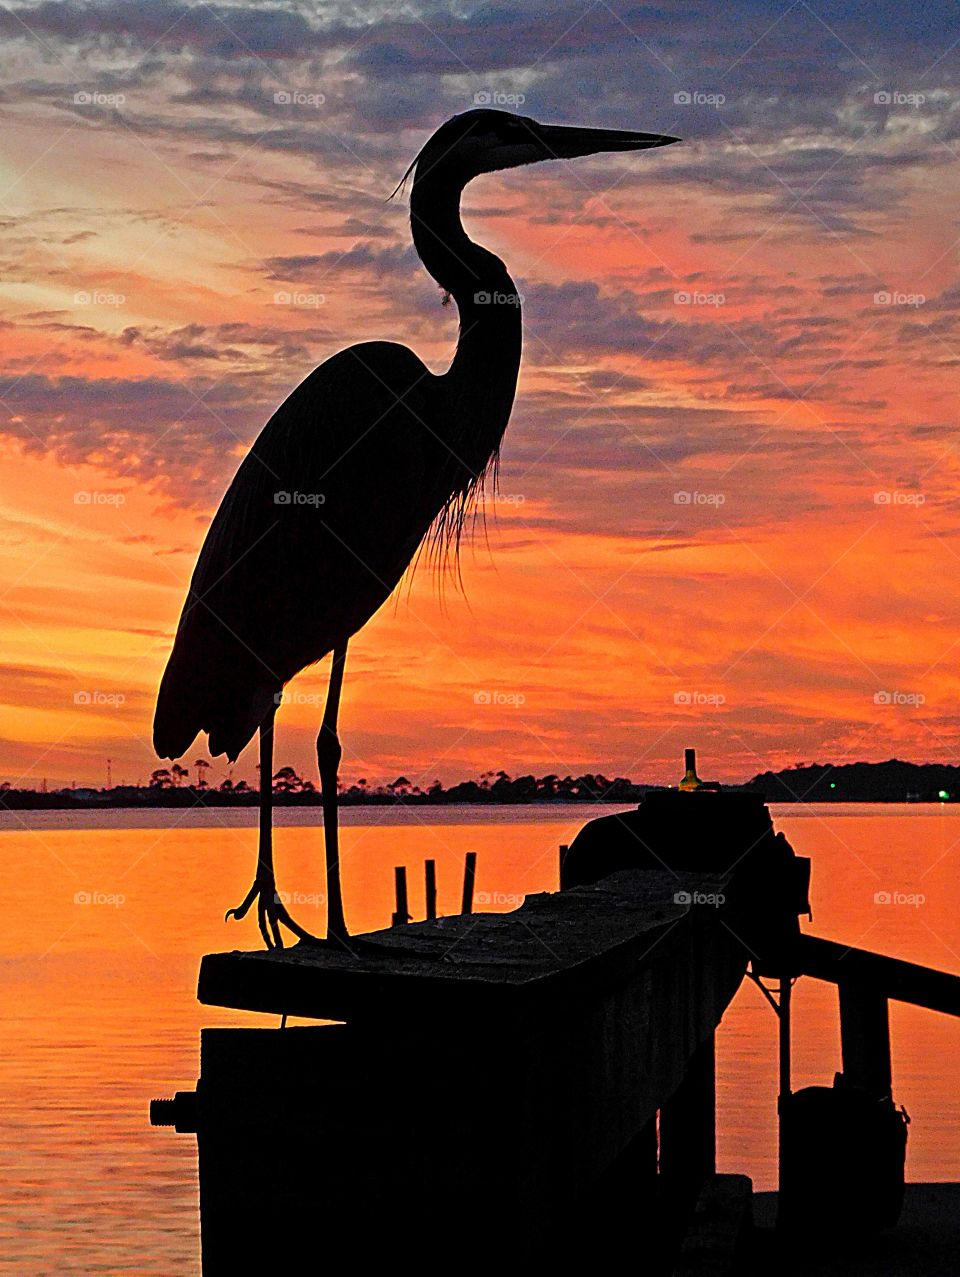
(286, 781)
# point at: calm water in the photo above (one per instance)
(106, 916)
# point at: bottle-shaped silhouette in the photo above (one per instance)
(690, 778)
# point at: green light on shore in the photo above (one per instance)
(944, 795)
(833, 784)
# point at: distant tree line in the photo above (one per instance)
(892, 781)
(173, 787)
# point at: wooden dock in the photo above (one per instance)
(538, 1084)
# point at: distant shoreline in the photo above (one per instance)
(889, 782)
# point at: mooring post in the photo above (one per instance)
(430, 875)
(469, 876)
(786, 1081)
(402, 914)
(865, 1039)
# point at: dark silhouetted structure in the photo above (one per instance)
(371, 457)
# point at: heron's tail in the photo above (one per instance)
(213, 688)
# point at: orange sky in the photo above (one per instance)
(811, 421)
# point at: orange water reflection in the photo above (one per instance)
(105, 927)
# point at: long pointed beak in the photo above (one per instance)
(562, 142)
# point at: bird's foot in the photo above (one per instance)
(271, 912)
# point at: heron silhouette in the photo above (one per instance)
(371, 458)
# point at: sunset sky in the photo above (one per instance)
(730, 490)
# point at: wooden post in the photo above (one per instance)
(865, 1039)
(430, 873)
(786, 1081)
(402, 914)
(469, 876)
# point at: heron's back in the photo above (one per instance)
(318, 526)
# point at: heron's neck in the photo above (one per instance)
(483, 375)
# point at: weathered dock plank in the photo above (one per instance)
(547, 948)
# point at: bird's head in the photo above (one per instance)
(485, 141)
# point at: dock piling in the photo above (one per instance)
(430, 877)
(469, 877)
(402, 914)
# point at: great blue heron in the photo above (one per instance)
(370, 456)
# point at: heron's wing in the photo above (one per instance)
(318, 525)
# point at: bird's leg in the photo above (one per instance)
(329, 754)
(270, 911)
